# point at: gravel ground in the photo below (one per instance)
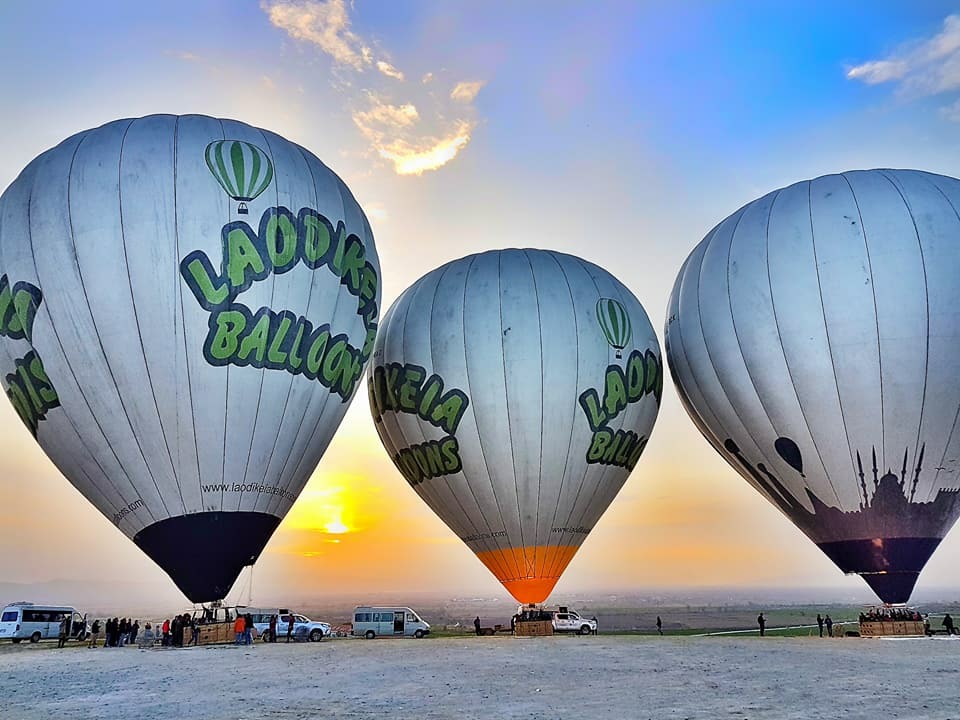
(581, 678)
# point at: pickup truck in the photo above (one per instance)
(570, 621)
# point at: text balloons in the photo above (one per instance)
(814, 338)
(182, 358)
(503, 399)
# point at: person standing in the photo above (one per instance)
(273, 629)
(476, 624)
(248, 629)
(290, 622)
(64, 630)
(165, 630)
(948, 624)
(238, 625)
(659, 625)
(94, 633)
(762, 622)
(820, 624)
(828, 621)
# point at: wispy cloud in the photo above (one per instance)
(466, 92)
(389, 70)
(415, 128)
(325, 23)
(923, 67)
(394, 133)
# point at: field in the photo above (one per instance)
(615, 676)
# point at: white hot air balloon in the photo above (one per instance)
(814, 338)
(515, 391)
(187, 307)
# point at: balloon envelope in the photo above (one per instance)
(814, 339)
(503, 399)
(182, 358)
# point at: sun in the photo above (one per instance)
(326, 506)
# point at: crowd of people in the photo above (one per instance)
(117, 632)
(178, 631)
(890, 614)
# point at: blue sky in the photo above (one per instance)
(620, 131)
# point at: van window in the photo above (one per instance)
(411, 617)
(10, 616)
(35, 616)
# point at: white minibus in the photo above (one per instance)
(26, 621)
(370, 622)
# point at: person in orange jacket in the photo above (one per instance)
(239, 625)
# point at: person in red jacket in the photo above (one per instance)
(166, 633)
(239, 625)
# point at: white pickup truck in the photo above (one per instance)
(565, 620)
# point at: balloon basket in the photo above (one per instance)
(242, 209)
(533, 628)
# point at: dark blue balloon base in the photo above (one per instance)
(203, 553)
(874, 560)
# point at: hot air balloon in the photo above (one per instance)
(242, 169)
(183, 367)
(615, 323)
(501, 399)
(814, 340)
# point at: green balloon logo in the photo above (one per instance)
(615, 323)
(242, 169)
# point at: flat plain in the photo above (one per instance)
(590, 677)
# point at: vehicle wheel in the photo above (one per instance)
(370, 635)
(35, 638)
(265, 635)
(585, 630)
(16, 641)
(316, 635)
(418, 634)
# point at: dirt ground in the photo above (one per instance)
(621, 677)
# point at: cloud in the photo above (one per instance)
(466, 92)
(395, 135)
(384, 115)
(325, 23)
(389, 70)
(878, 71)
(923, 67)
(414, 158)
(416, 127)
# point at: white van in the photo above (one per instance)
(26, 621)
(369, 622)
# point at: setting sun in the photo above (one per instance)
(326, 505)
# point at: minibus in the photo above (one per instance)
(371, 622)
(26, 621)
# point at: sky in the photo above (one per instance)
(621, 132)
